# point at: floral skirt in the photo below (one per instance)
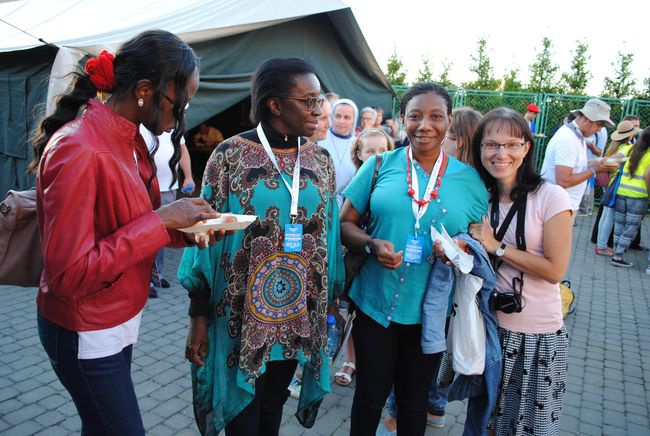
(533, 383)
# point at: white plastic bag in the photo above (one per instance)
(466, 337)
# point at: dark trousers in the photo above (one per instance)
(263, 416)
(387, 356)
(102, 389)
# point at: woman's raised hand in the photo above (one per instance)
(482, 232)
(385, 252)
(187, 212)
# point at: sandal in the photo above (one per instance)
(342, 378)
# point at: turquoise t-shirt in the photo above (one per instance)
(396, 296)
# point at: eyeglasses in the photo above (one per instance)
(510, 146)
(187, 106)
(309, 101)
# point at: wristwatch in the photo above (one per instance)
(501, 250)
(367, 247)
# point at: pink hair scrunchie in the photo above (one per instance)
(100, 71)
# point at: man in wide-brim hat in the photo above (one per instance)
(625, 129)
(565, 161)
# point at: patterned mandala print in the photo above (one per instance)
(277, 289)
(272, 297)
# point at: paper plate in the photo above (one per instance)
(220, 223)
(615, 160)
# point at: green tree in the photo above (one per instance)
(511, 81)
(482, 67)
(543, 70)
(395, 72)
(425, 74)
(645, 92)
(444, 79)
(622, 84)
(575, 81)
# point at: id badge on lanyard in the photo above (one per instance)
(292, 232)
(415, 243)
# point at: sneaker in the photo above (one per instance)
(621, 262)
(437, 422)
(604, 251)
(294, 388)
(647, 271)
(165, 284)
(153, 292)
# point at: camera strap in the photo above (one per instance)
(518, 207)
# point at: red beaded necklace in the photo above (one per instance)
(434, 192)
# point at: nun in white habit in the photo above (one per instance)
(338, 143)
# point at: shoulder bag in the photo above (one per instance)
(354, 260)
(21, 260)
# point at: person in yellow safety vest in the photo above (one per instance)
(632, 198)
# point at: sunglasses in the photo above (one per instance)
(185, 109)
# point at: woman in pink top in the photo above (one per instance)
(533, 338)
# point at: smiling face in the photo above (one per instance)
(370, 146)
(426, 122)
(343, 119)
(504, 162)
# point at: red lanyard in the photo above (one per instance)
(434, 192)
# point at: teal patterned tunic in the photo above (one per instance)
(263, 304)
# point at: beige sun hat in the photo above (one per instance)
(597, 110)
(624, 130)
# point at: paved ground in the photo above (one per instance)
(609, 361)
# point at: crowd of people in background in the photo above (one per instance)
(344, 181)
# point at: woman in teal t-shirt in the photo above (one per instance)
(418, 186)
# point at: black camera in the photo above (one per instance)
(506, 302)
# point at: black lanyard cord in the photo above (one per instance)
(519, 208)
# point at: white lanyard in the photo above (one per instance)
(294, 188)
(419, 211)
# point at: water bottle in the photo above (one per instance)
(188, 189)
(333, 335)
(344, 309)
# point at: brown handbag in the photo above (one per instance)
(21, 260)
(354, 260)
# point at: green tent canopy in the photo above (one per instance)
(231, 38)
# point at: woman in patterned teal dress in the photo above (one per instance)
(259, 297)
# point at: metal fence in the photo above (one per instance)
(553, 109)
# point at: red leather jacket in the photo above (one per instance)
(99, 232)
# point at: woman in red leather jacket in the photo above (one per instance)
(101, 223)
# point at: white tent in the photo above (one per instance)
(41, 40)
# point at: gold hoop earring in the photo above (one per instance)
(140, 102)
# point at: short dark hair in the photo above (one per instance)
(273, 78)
(630, 117)
(424, 88)
(528, 180)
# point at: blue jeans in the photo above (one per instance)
(437, 398)
(605, 226)
(101, 389)
(629, 214)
